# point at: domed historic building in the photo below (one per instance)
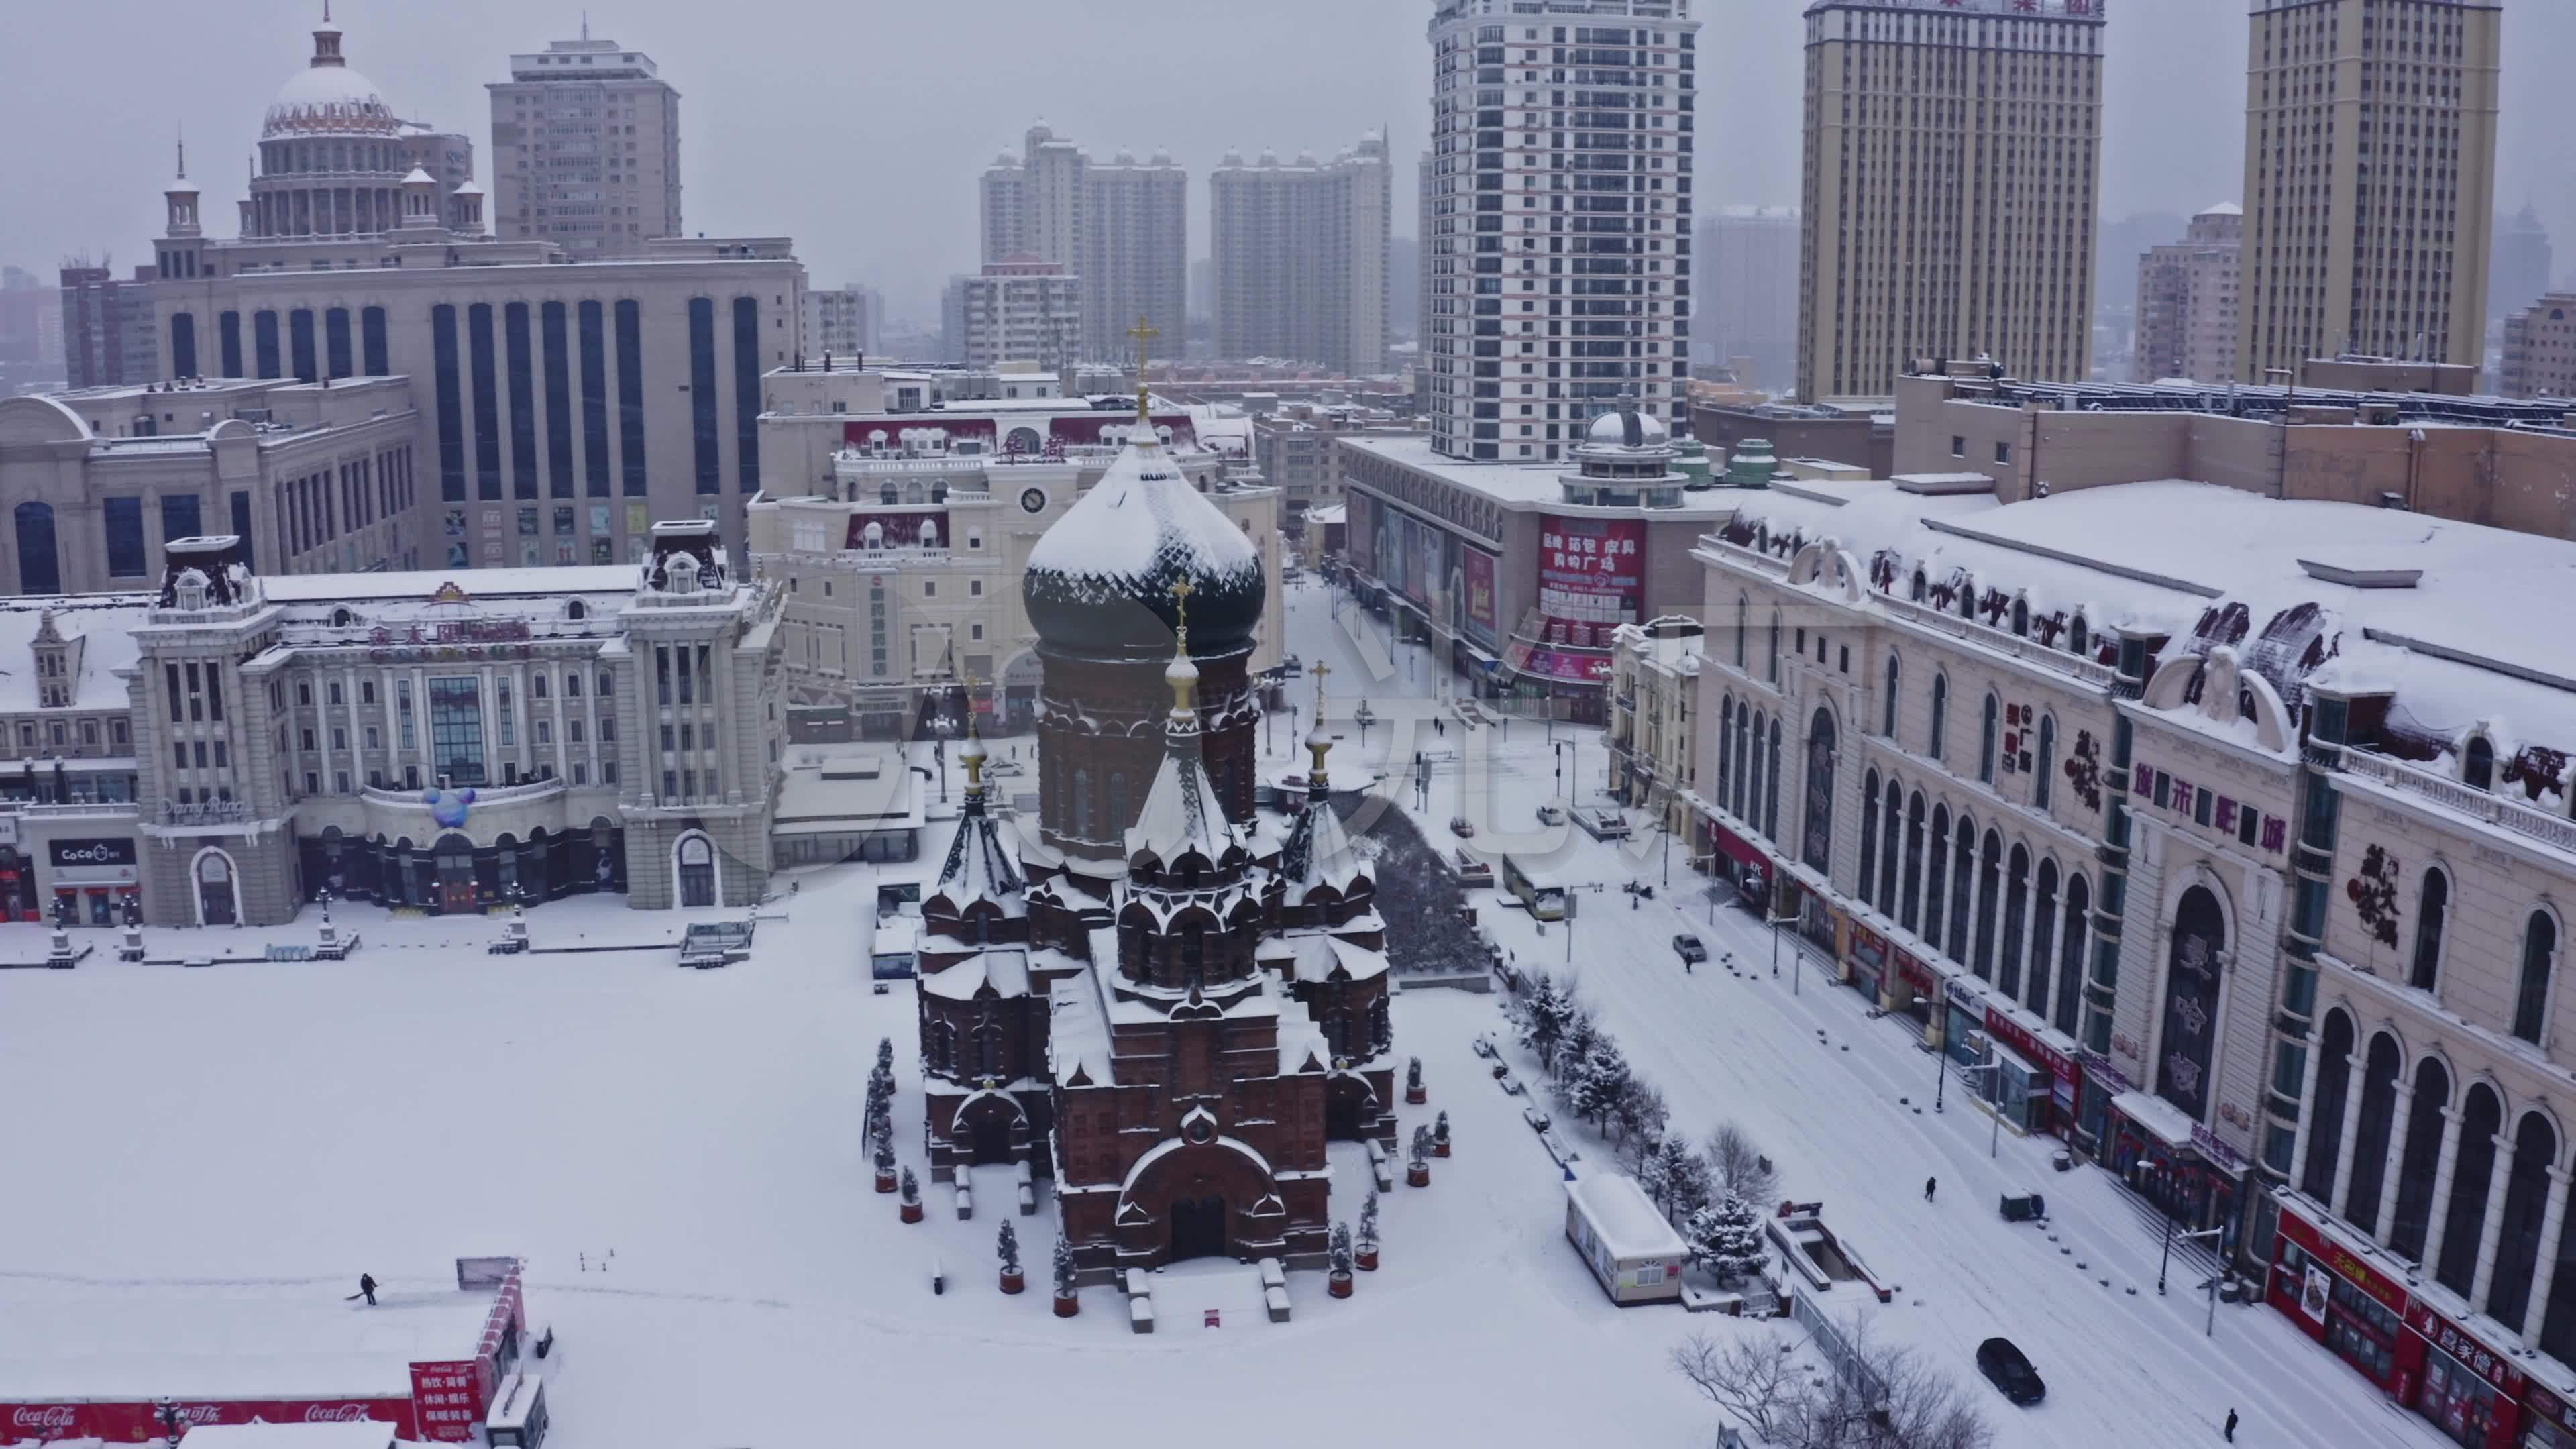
(1164, 1001)
(335, 160)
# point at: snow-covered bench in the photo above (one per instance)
(1028, 1190)
(1272, 1275)
(1276, 1301)
(965, 1198)
(1140, 1315)
(1138, 1286)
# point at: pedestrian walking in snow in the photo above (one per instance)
(367, 1288)
(2231, 1426)
(1930, 1186)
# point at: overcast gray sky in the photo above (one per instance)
(858, 126)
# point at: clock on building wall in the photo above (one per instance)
(1034, 500)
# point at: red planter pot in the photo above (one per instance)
(1067, 1307)
(1340, 1285)
(1366, 1259)
(1014, 1282)
(1439, 1149)
(1416, 1096)
(910, 1212)
(1418, 1175)
(885, 1182)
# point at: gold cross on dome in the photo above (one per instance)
(1181, 592)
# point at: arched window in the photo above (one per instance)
(2531, 998)
(2526, 1191)
(1921, 588)
(1869, 835)
(2016, 916)
(2370, 1145)
(2193, 969)
(1938, 742)
(1744, 763)
(2430, 907)
(2419, 1157)
(2021, 617)
(1771, 786)
(1725, 746)
(2477, 770)
(1818, 850)
(2079, 639)
(1912, 903)
(1989, 736)
(2077, 932)
(2043, 937)
(1752, 811)
(1743, 625)
(1887, 706)
(2325, 1124)
(2473, 1171)
(1989, 878)
(1963, 869)
(1887, 854)
(1082, 804)
(1936, 876)
(2040, 787)
(1774, 671)
(39, 567)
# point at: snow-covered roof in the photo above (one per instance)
(1625, 1220)
(364, 1434)
(1318, 852)
(1315, 957)
(551, 582)
(1078, 1025)
(1142, 516)
(1004, 968)
(328, 99)
(1535, 484)
(103, 624)
(64, 1340)
(1182, 811)
(983, 863)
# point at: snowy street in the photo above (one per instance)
(291, 1125)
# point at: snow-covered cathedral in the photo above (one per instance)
(1166, 1001)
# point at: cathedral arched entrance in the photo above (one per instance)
(1349, 1108)
(1198, 1228)
(991, 1127)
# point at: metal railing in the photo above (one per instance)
(2493, 809)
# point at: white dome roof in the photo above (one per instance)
(328, 100)
(1612, 428)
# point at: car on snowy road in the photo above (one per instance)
(1690, 948)
(2005, 1367)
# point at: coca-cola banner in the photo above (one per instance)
(135, 1422)
(448, 1400)
(1591, 577)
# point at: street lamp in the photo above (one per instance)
(1798, 973)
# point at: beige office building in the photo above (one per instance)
(2187, 302)
(1022, 311)
(1952, 173)
(586, 149)
(2370, 136)
(2540, 348)
(1122, 226)
(1300, 257)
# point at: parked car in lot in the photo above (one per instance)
(1602, 824)
(1473, 869)
(2008, 1370)
(1690, 948)
(1462, 827)
(1551, 814)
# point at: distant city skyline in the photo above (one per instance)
(1328, 70)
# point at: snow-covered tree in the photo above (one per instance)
(1593, 1084)
(1413, 1075)
(884, 1157)
(1006, 1246)
(1727, 1239)
(1340, 1251)
(1581, 1033)
(1440, 1129)
(1640, 1113)
(1368, 1219)
(1675, 1177)
(1546, 1014)
(1064, 1269)
(1736, 1165)
(885, 1055)
(1421, 1144)
(911, 1188)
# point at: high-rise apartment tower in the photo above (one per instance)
(1300, 257)
(1122, 226)
(586, 149)
(1560, 219)
(2370, 142)
(2187, 302)
(1952, 170)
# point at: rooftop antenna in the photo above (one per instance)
(585, 22)
(326, 12)
(183, 152)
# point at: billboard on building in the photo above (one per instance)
(1591, 578)
(1477, 572)
(1359, 538)
(1425, 574)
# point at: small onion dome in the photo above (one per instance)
(1099, 583)
(1180, 671)
(972, 751)
(1316, 739)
